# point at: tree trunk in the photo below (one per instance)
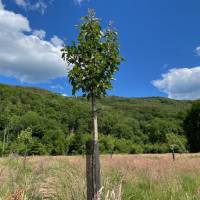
(173, 155)
(92, 160)
(94, 119)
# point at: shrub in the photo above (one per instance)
(156, 148)
(107, 144)
(177, 142)
(122, 146)
(136, 148)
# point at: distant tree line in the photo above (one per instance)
(38, 122)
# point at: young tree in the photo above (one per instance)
(94, 58)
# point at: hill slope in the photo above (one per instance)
(55, 124)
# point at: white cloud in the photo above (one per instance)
(57, 41)
(180, 83)
(40, 34)
(22, 3)
(11, 22)
(39, 5)
(24, 54)
(198, 51)
(1, 5)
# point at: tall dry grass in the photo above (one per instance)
(139, 177)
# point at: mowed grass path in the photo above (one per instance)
(134, 177)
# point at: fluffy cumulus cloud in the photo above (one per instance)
(180, 83)
(24, 53)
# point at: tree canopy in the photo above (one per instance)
(192, 127)
(95, 57)
(54, 119)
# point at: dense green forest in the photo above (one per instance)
(37, 121)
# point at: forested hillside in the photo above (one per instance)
(40, 122)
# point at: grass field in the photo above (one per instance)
(139, 177)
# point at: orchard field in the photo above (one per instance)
(139, 177)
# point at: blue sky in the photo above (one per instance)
(159, 40)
